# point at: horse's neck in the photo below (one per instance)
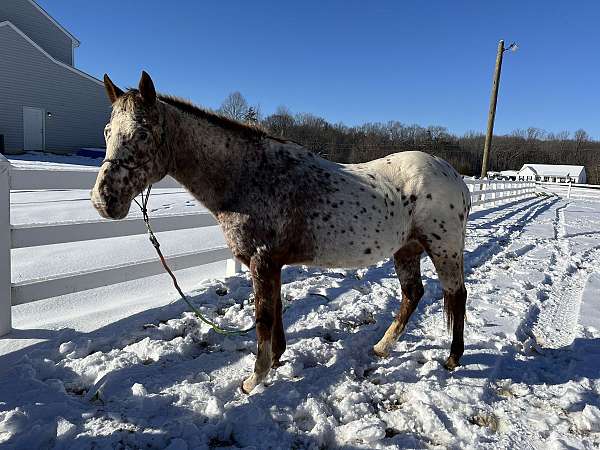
(206, 160)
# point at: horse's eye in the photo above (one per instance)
(143, 135)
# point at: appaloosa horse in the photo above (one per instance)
(279, 203)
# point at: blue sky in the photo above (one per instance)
(420, 62)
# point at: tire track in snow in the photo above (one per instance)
(554, 323)
(510, 229)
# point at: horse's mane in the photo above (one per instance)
(213, 117)
(186, 106)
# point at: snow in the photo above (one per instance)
(128, 366)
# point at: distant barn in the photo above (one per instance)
(45, 102)
(555, 173)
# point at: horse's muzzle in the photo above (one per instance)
(109, 209)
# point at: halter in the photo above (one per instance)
(119, 162)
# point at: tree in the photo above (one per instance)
(581, 136)
(251, 116)
(234, 106)
(280, 123)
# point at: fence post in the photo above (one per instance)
(233, 267)
(5, 288)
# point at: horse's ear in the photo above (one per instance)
(113, 91)
(146, 89)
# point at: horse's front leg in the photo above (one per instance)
(266, 278)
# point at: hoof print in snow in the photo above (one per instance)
(391, 432)
(489, 421)
(221, 291)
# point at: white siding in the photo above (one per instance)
(39, 28)
(78, 104)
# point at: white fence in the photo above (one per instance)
(20, 236)
(483, 192)
(575, 190)
(486, 192)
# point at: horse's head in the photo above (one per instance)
(136, 149)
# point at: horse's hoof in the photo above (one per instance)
(380, 352)
(247, 387)
(248, 384)
(451, 363)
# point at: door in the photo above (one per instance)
(33, 128)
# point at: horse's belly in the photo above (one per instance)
(355, 253)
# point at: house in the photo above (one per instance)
(46, 104)
(555, 173)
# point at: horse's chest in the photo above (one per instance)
(287, 241)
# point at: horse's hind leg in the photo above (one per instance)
(449, 266)
(407, 261)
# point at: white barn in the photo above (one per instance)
(556, 173)
(45, 102)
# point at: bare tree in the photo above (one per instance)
(353, 144)
(234, 106)
(581, 138)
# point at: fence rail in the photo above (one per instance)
(22, 179)
(47, 287)
(57, 233)
(490, 191)
(32, 235)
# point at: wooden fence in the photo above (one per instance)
(483, 192)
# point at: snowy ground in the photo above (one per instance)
(151, 376)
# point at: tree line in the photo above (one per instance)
(354, 144)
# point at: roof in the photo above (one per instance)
(76, 41)
(9, 24)
(558, 170)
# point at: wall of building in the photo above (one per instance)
(38, 27)
(78, 103)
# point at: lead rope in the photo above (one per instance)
(156, 245)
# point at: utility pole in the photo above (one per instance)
(494, 97)
(492, 112)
